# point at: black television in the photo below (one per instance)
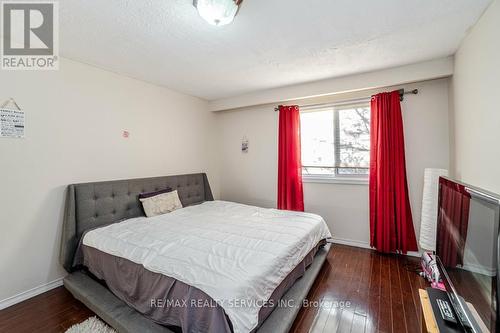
(467, 253)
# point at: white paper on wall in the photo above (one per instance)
(11, 123)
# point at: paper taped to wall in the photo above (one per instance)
(11, 123)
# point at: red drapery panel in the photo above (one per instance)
(391, 223)
(290, 193)
(453, 220)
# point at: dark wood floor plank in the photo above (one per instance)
(373, 299)
(22, 305)
(34, 303)
(345, 323)
(44, 313)
(358, 323)
(306, 318)
(42, 307)
(410, 309)
(336, 263)
(385, 312)
(349, 292)
(382, 291)
(416, 283)
(397, 308)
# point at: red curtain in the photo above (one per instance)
(290, 193)
(391, 223)
(453, 220)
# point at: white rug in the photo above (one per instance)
(91, 325)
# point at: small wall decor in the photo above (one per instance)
(11, 120)
(244, 145)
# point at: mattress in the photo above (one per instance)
(237, 255)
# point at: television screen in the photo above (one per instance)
(467, 248)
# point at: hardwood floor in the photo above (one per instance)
(53, 311)
(359, 291)
(382, 291)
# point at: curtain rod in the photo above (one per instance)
(402, 92)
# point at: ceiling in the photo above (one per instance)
(271, 43)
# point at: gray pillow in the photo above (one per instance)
(152, 194)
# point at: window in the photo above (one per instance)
(335, 141)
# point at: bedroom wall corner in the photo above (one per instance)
(74, 123)
(251, 177)
(476, 111)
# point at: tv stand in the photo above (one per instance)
(433, 322)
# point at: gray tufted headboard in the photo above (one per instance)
(91, 205)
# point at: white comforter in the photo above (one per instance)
(237, 254)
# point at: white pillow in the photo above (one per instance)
(161, 203)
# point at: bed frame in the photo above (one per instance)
(92, 205)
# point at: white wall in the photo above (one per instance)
(476, 117)
(252, 177)
(74, 121)
(422, 71)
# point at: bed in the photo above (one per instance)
(105, 229)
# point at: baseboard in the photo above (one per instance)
(351, 242)
(365, 245)
(5, 303)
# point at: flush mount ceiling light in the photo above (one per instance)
(217, 12)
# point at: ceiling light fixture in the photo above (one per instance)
(217, 12)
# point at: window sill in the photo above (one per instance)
(334, 180)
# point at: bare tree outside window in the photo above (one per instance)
(336, 140)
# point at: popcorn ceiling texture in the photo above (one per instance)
(271, 43)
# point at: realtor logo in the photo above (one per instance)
(30, 35)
